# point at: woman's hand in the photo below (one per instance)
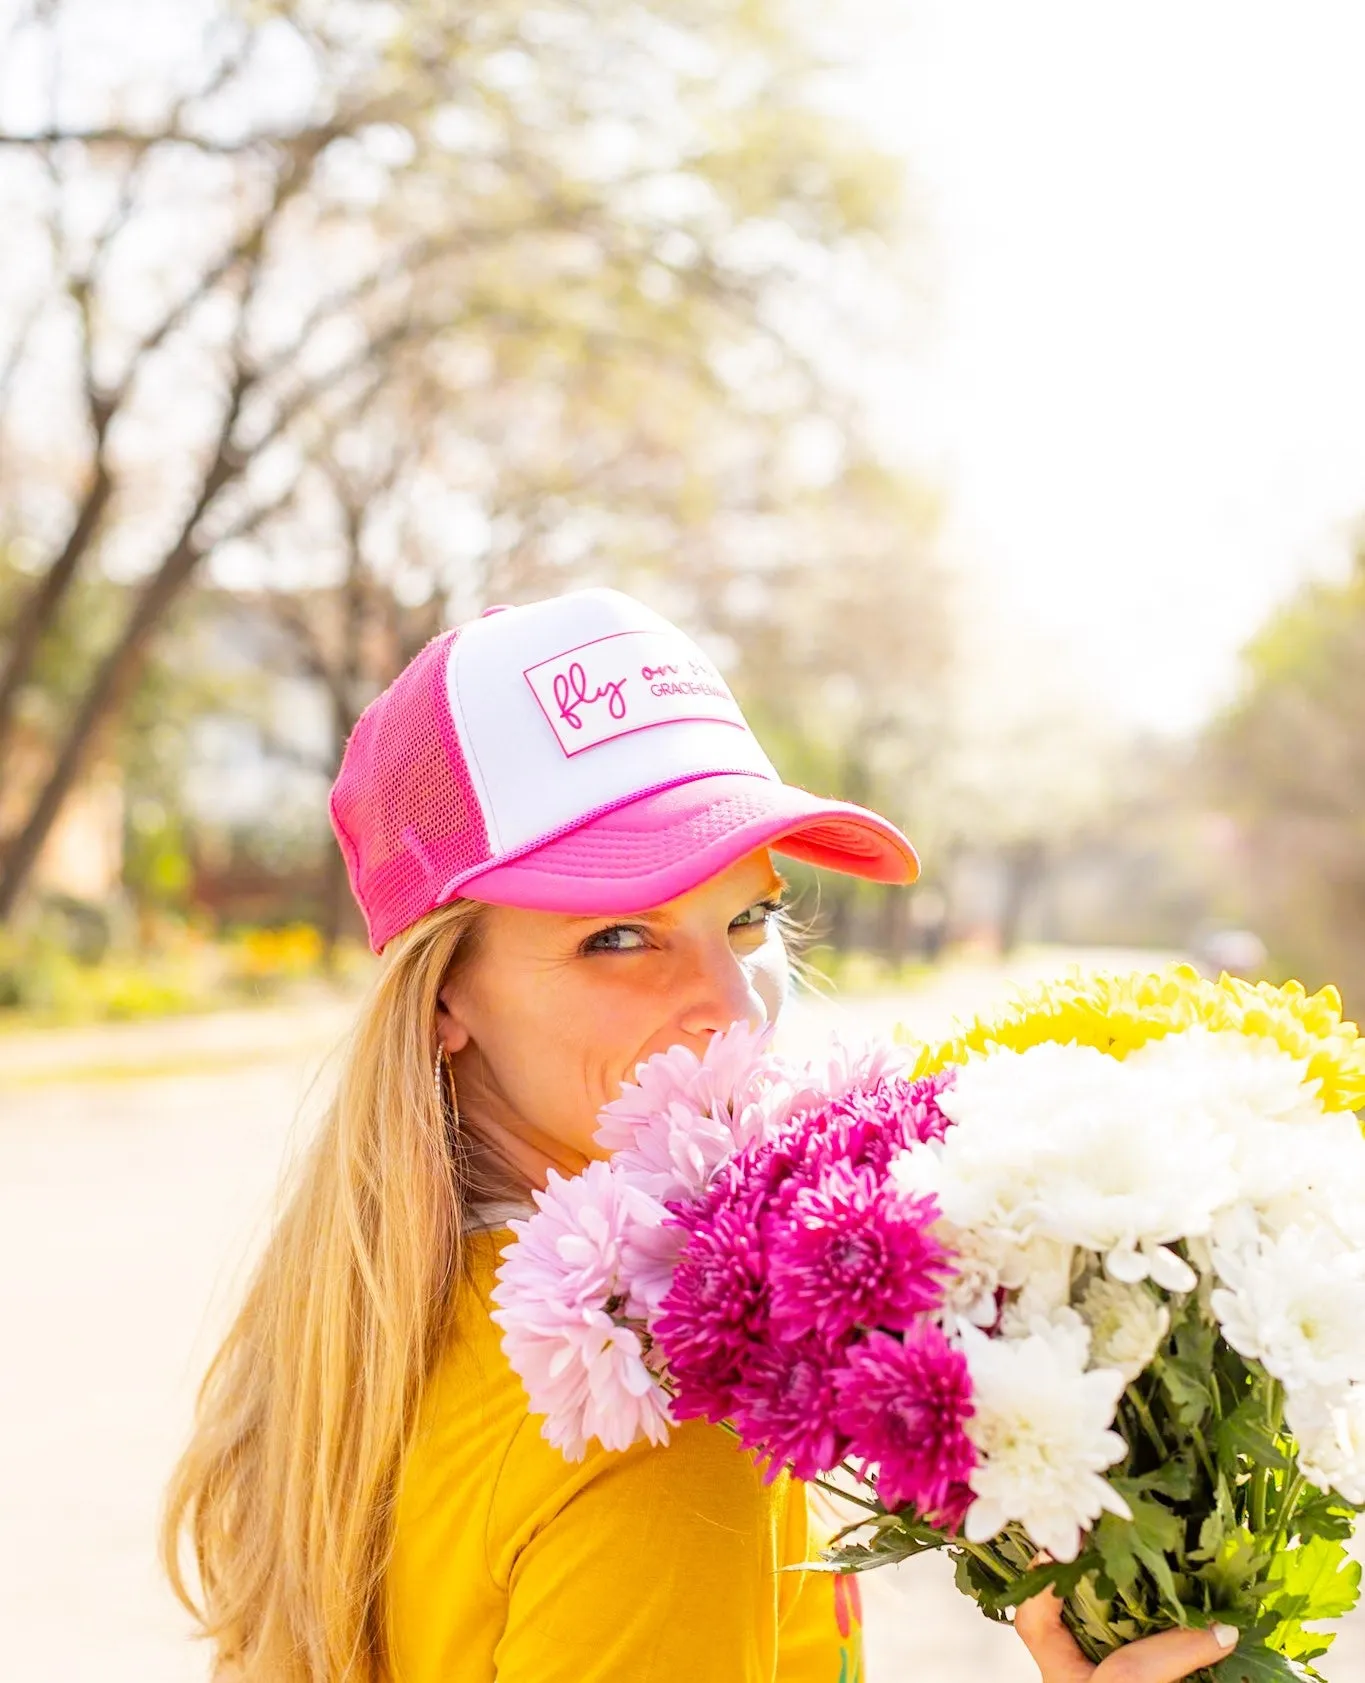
(1156, 1659)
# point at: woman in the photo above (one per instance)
(557, 824)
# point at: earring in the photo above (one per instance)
(445, 1089)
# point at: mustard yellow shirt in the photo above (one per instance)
(649, 1565)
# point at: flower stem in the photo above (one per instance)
(1202, 1449)
(1284, 1518)
(847, 1495)
(1144, 1414)
(979, 1551)
(1260, 1479)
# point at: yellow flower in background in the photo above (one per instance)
(1117, 1014)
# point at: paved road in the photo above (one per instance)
(137, 1173)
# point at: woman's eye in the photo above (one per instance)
(758, 915)
(620, 938)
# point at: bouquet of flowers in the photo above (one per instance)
(1079, 1297)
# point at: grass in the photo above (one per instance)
(44, 985)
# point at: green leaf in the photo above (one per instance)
(1176, 1478)
(1153, 1522)
(1235, 1569)
(1245, 1433)
(1173, 1478)
(1114, 1539)
(1324, 1514)
(1317, 1580)
(1225, 1505)
(1196, 1338)
(860, 1557)
(1061, 1576)
(1211, 1534)
(1253, 1662)
(1188, 1389)
(1296, 1643)
(976, 1583)
(1160, 1568)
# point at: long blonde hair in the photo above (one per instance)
(286, 1490)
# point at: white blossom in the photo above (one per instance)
(1067, 1143)
(1126, 1323)
(1295, 1302)
(1042, 1427)
(1331, 1434)
(1295, 1162)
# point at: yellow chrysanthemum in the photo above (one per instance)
(1117, 1014)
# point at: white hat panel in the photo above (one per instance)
(578, 703)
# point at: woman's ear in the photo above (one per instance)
(451, 1029)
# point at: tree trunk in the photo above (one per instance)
(894, 909)
(336, 886)
(344, 690)
(116, 672)
(1023, 862)
(39, 610)
(840, 897)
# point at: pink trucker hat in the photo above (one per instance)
(574, 755)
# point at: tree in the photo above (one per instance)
(1286, 764)
(845, 644)
(313, 214)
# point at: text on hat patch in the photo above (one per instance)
(628, 681)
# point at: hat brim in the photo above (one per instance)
(660, 845)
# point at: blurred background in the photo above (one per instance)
(980, 383)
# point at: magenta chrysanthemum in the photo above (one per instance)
(786, 1408)
(868, 1126)
(713, 1319)
(904, 1404)
(854, 1253)
(921, 1117)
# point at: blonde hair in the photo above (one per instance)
(286, 1490)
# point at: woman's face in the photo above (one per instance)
(552, 1013)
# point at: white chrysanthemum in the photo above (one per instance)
(1042, 1426)
(1331, 1434)
(1321, 1181)
(986, 1261)
(684, 1115)
(1289, 1154)
(1036, 1278)
(1295, 1302)
(562, 1289)
(1242, 1077)
(1067, 1143)
(1126, 1325)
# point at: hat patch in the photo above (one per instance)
(628, 681)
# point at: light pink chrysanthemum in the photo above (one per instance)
(845, 1069)
(684, 1115)
(565, 1293)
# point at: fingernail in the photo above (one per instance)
(1226, 1635)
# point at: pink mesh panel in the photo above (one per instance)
(403, 808)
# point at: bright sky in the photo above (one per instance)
(1141, 376)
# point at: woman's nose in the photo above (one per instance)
(722, 992)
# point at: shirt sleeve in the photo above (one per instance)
(661, 1566)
